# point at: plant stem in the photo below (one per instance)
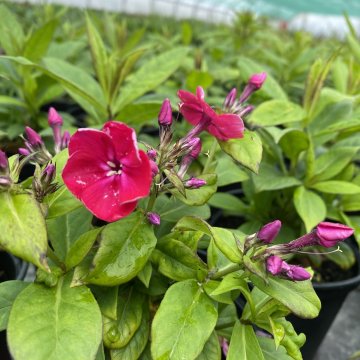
(210, 157)
(228, 269)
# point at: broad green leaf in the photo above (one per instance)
(269, 178)
(269, 350)
(340, 75)
(276, 112)
(137, 344)
(9, 290)
(61, 202)
(176, 260)
(300, 297)
(149, 76)
(197, 197)
(293, 143)
(332, 163)
(270, 88)
(211, 350)
(55, 323)
(118, 333)
(38, 43)
(227, 202)
(80, 247)
(23, 230)
(198, 78)
(72, 226)
(309, 206)
(190, 317)
(125, 247)
(145, 274)
(98, 53)
(277, 330)
(229, 172)
(230, 282)
(107, 298)
(336, 187)
(246, 151)
(244, 344)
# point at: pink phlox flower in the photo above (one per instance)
(106, 171)
(199, 113)
(329, 234)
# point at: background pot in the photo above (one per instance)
(11, 268)
(332, 296)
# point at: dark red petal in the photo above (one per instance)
(124, 142)
(82, 171)
(92, 143)
(192, 113)
(187, 97)
(102, 199)
(135, 182)
(227, 126)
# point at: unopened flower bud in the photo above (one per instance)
(3, 161)
(257, 80)
(153, 218)
(65, 140)
(224, 346)
(152, 154)
(246, 110)
(54, 118)
(165, 114)
(274, 264)
(154, 168)
(230, 99)
(33, 138)
(297, 273)
(195, 147)
(23, 151)
(269, 231)
(48, 174)
(329, 234)
(195, 183)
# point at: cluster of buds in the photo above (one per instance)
(326, 234)
(5, 180)
(43, 182)
(238, 106)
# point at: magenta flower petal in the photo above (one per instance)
(226, 127)
(329, 234)
(274, 264)
(269, 231)
(106, 171)
(297, 273)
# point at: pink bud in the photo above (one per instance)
(195, 147)
(274, 264)
(5, 182)
(230, 98)
(257, 80)
(246, 110)
(154, 168)
(224, 346)
(165, 115)
(297, 273)
(195, 183)
(23, 151)
(3, 161)
(65, 140)
(54, 118)
(153, 218)
(33, 137)
(329, 234)
(269, 231)
(152, 154)
(48, 173)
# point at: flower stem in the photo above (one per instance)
(211, 156)
(228, 269)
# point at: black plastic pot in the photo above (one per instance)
(11, 268)
(332, 296)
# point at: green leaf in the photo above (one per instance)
(269, 350)
(276, 112)
(228, 171)
(137, 344)
(23, 230)
(244, 344)
(293, 143)
(246, 151)
(198, 78)
(271, 87)
(298, 296)
(336, 187)
(149, 76)
(55, 323)
(332, 163)
(107, 298)
(196, 197)
(211, 350)
(98, 53)
(39, 41)
(145, 274)
(125, 247)
(227, 202)
(309, 206)
(9, 290)
(270, 178)
(354, 46)
(176, 260)
(118, 333)
(61, 202)
(72, 225)
(190, 317)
